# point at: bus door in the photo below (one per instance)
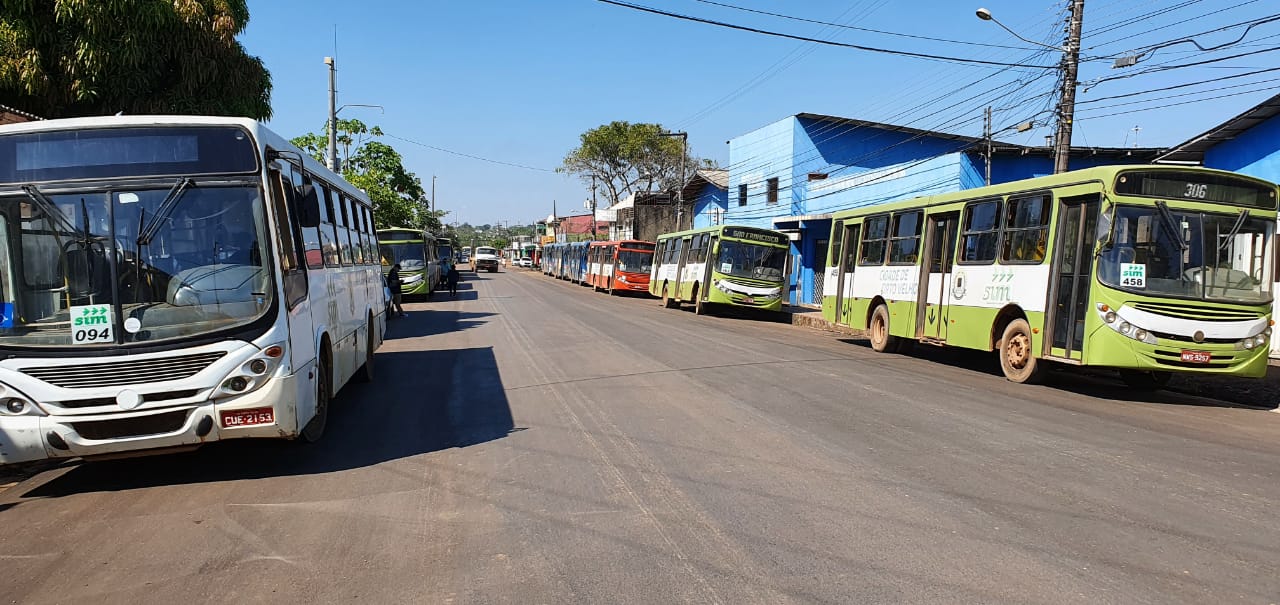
(1072, 265)
(683, 261)
(847, 261)
(932, 313)
(710, 254)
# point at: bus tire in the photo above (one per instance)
(699, 305)
(1145, 380)
(1017, 358)
(366, 373)
(610, 287)
(315, 427)
(878, 329)
(667, 301)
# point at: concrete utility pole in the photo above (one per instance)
(684, 153)
(433, 195)
(333, 115)
(594, 230)
(986, 134)
(1067, 104)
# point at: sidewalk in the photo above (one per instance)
(1254, 392)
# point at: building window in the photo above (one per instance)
(742, 194)
(875, 240)
(1026, 229)
(773, 190)
(981, 232)
(904, 246)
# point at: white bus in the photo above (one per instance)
(170, 281)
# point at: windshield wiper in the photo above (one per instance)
(47, 207)
(1171, 223)
(166, 208)
(1235, 229)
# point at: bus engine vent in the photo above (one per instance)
(124, 372)
(1195, 312)
(155, 424)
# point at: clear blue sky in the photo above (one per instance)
(518, 81)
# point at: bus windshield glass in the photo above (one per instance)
(410, 255)
(197, 267)
(751, 261)
(1189, 255)
(634, 261)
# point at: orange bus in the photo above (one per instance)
(619, 265)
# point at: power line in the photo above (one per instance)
(467, 155)
(1176, 86)
(1234, 94)
(856, 28)
(766, 32)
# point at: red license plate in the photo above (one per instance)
(234, 418)
(1196, 357)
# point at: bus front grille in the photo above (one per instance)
(1195, 312)
(155, 424)
(121, 373)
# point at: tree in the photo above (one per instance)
(377, 169)
(100, 57)
(625, 158)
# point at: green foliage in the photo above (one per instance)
(624, 158)
(70, 58)
(378, 169)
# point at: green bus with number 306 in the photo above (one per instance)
(1149, 270)
(721, 265)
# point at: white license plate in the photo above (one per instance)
(1196, 357)
(749, 300)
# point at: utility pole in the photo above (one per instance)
(986, 134)
(1067, 104)
(594, 231)
(684, 153)
(433, 195)
(333, 115)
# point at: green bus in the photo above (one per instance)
(1148, 270)
(721, 265)
(415, 250)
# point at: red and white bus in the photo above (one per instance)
(619, 265)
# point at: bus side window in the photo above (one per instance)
(1026, 229)
(837, 238)
(874, 240)
(981, 228)
(329, 228)
(344, 230)
(312, 246)
(371, 251)
(294, 275)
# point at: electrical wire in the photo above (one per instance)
(467, 155)
(765, 32)
(856, 28)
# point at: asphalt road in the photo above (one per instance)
(535, 442)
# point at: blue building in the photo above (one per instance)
(708, 191)
(792, 174)
(1248, 143)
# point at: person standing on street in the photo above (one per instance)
(393, 282)
(453, 278)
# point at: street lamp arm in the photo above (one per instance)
(986, 15)
(381, 108)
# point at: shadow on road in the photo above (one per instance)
(1192, 390)
(426, 321)
(421, 402)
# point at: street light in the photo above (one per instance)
(1070, 67)
(333, 113)
(986, 15)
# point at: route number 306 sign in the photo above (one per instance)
(91, 324)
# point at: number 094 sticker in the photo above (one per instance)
(91, 324)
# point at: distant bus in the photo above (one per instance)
(620, 265)
(445, 248)
(1149, 270)
(175, 280)
(724, 264)
(415, 250)
(552, 255)
(575, 263)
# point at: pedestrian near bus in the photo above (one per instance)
(393, 282)
(453, 278)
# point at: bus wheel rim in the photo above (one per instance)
(1018, 350)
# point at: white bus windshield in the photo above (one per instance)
(201, 270)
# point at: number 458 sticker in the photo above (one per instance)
(91, 324)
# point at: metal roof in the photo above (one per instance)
(1193, 149)
(719, 178)
(883, 126)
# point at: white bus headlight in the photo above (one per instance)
(252, 374)
(13, 403)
